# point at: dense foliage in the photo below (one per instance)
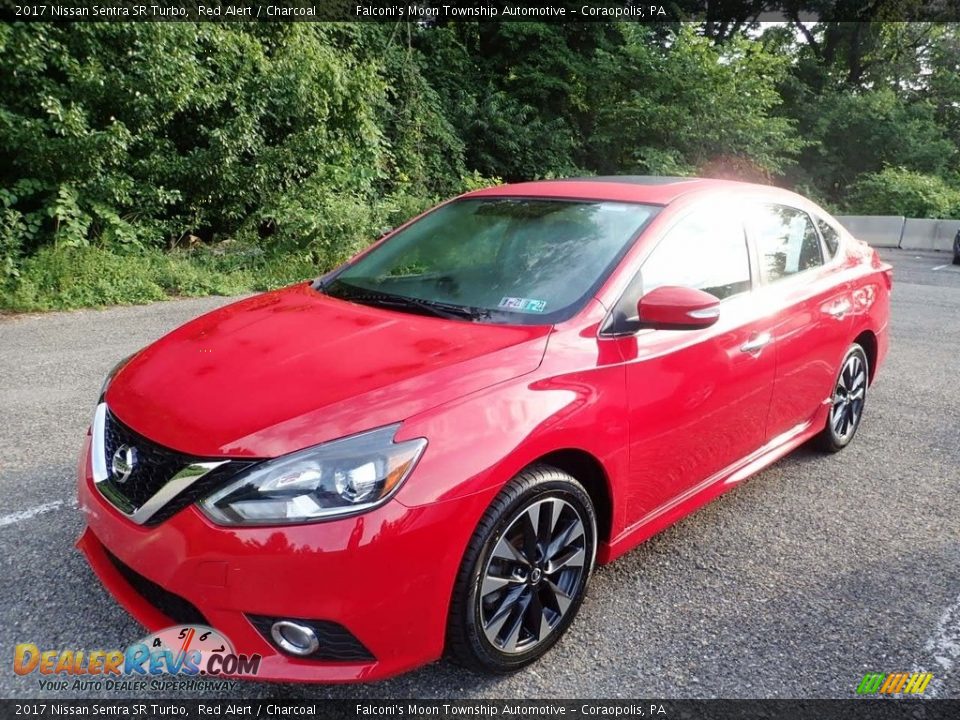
(141, 160)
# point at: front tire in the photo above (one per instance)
(524, 574)
(849, 398)
(956, 250)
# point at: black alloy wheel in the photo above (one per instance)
(847, 403)
(525, 572)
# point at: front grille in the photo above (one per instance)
(178, 609)
(155, 466)
(336, 642)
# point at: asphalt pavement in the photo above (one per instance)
(794, 584)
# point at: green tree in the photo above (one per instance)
(897, 191)
(143, 133)
(517, 92)
(863, 132)
(678, 106)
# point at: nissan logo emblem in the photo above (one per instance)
(124, 462)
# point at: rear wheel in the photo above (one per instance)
(956, 249)
(525, 572)
(849, 397)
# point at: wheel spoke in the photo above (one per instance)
(548, 512)
(535, 618)
(506, 607)
(853, 367)
(493, 583)
(506, 550)
(573, 557)
(492, 629)
(560, 599)
(841, 381)
(847, 420)
(513, 633)
(837, 419)
(570, 533)
(532, 520)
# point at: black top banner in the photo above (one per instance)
(445, 11)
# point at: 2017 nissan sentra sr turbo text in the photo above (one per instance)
(429, 448)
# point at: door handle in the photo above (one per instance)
(756, 344)
(838, 309)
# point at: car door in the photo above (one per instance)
(813, 322)
(698, 398)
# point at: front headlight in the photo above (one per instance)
(337, 478)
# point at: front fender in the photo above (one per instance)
(481, 441)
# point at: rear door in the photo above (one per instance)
(698, 398)
(813, 311)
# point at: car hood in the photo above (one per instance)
(292, 368)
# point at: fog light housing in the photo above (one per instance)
(295, 638)
(335, 642)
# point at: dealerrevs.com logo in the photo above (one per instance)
(187, 651)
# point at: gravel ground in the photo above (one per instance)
(794, 584)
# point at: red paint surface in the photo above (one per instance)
(672, 417)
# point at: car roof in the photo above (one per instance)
(651, 189)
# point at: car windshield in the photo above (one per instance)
(507, 260)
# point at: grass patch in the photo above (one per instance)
(70, 278)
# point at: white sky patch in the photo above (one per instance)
(16, 517)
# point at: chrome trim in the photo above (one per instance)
(757, 343)
(839, 309)
(123, 463)
(177, 484)
(98, 460)
(705, 313)
(276, 632)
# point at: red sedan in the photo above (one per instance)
(431, 447)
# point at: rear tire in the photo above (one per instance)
(524, 574)
(848, 401)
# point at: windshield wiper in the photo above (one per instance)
(426, 307)
(451, 310)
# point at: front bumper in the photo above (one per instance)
(386, 576)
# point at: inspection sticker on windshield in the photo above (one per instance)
(523, 304)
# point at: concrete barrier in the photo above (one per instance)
(877, 230)
(929, 234)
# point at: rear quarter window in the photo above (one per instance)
(830, 235)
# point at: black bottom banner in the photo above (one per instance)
(854, 709)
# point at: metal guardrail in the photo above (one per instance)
(895, 231)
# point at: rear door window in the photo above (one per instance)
(787, 241)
